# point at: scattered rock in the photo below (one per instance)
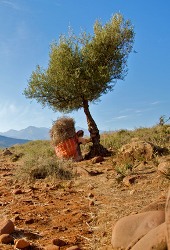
(70, 204)
(60, 228)
(90, 195)
(81, 171)
(17, 191)
(29, 221)
(91, 203)
(6, 226)
(129, 180)
(59, 242)
(94, 172)
(6, 239)
(21, 243)
(17, 217)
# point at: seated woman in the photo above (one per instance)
(70, 148)
(80, 140)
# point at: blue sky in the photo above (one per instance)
(28, 27)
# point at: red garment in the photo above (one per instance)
(67, 149)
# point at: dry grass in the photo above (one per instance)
(63, 128)
(38, 161)
(157, 135)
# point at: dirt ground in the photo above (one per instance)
(80, 211)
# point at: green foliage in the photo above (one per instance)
(39, 162)
(83, 68)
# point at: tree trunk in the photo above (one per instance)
(96, 149)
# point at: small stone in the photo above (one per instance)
(129, 180)
(6, 239)
(29, 221)
(21, 243)
(17, 191)
(90, 195)
(59, 242)
(17, 217)
(91, 203)
(6, 226)
(60, 228)
(94, 172)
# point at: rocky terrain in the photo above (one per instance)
(77, 213)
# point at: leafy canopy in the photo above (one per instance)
(83, 68)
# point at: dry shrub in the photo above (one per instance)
(34, 168)
(63, 128)
(38, 161)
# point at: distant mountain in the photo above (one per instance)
(35, 133)
(6, 142)
(29, 133)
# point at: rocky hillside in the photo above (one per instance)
(34, 133)
(80, 213)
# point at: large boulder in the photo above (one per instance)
(21, 244)
(133, 227)
(164, 166)
(167, 219)
(136, 150)
(154, 239)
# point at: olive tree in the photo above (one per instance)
(83, 68)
